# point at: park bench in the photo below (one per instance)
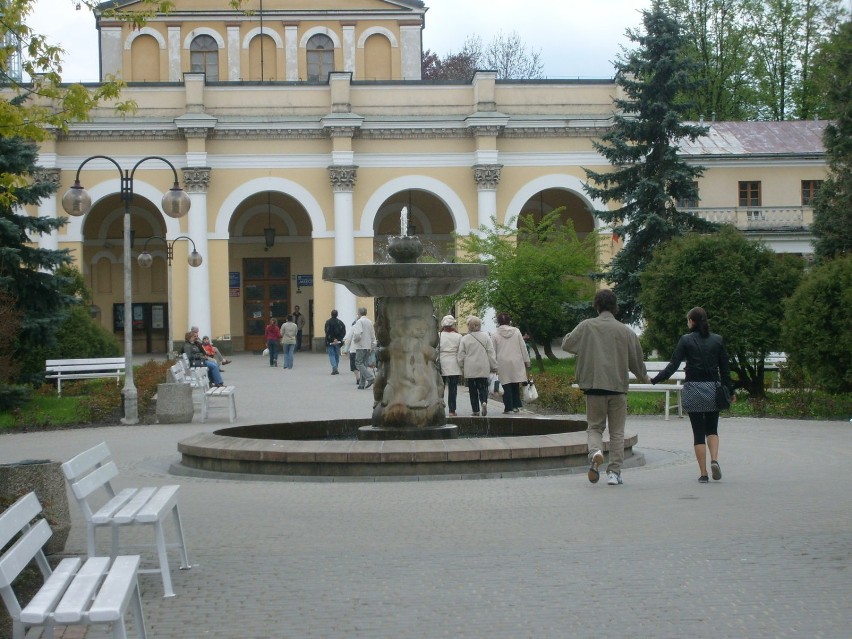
(85, 368)
(200, 382)
(75, 593)
(673, 386)
(89, 475)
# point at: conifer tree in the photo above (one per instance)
(832, 227)
(648, 177)
(28, 273)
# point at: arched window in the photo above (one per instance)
(320, 57)
(204, 57)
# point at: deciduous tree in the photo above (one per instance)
(535, 270)
(743, 285)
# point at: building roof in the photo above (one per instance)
(791, 137)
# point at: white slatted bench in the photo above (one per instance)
(673, 386)
(204, 393)
(212, 394)
(89, 475)
(98, 591)
(90, 368)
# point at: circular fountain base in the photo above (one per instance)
(486, 447)
(374, 433)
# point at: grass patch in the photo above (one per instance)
(93, 402)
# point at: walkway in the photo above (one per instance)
(763, 553)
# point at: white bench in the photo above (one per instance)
(91, 471)
(673, 386)
(91, 368)
(200, 382)
(212, 394)
(98, 591)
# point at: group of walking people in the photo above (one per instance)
(476, 355)
(288, 335)
(606, 350)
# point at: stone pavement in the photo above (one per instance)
(763, 553)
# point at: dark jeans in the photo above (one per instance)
(272, 345)
(512, 396)
(452, 384)
(478, 387)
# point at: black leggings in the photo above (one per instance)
(704, 424)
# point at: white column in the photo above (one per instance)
(291, 51)
(487, 176)
(174, 54)
(199, 312)
(343, 183)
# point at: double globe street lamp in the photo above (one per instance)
(146, 260)
(176, 203)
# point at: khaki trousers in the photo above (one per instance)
(604, 411)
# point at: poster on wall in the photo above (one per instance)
(157, 316)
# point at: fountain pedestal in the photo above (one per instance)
(409, 391)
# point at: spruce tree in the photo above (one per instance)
(648, 177)
(832, 227)
(28, 273)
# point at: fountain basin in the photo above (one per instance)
(487, 447)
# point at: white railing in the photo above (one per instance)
(756, 218)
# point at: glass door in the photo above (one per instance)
(266, 295)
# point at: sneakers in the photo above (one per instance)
(597, 460)
(715, 470)
(452, 414)
(476, 414)
(484, 409)
(703, 479)
(614, 479)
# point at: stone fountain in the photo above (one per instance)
(409, 391)
(407, 434)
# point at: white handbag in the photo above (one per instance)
(530, 392)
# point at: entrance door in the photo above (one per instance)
(267, 294)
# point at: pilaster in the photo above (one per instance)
(196, 182)
(343, 178)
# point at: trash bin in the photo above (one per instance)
(174, 403)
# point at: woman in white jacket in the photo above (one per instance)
(477, 361)
(513, 362)
(448, 349)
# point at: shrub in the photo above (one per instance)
(556, 393)
(13, 396)
(817, 328)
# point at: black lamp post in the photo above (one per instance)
(145, 260)
(176, 203)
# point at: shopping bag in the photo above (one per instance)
(530, 392)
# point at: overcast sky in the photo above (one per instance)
(576, 38)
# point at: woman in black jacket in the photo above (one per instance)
(706, 361)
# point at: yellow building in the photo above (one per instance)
(301, 131)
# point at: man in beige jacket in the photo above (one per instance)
(606, 349)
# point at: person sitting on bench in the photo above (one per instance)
(197, 357)
(213, 352)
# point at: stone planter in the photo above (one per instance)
(174, 403)
(45, 478)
